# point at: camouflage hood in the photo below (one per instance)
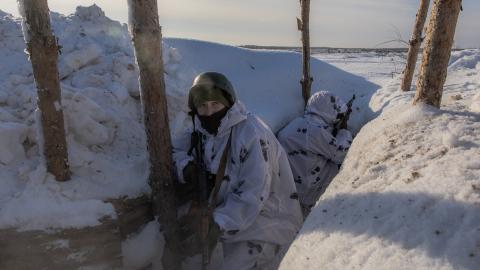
(326, 106)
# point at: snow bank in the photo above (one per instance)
(464, 59)
(11, 137)
(143, 249)
(408, 193)
(104, 129)
(43, 204)
(104, 132)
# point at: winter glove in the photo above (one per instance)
(186, 191)
(189, 172)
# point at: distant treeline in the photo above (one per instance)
(315, 50)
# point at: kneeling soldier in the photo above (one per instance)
(253, 200)
(316, 144)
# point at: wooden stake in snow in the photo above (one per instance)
(147, 39)
(303, 26)
(43, 50)
(436, 52)
(415, 43)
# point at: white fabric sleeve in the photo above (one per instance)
(322, 142)
(180, 146)
(242, 206)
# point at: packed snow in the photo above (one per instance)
(407, 196)
(141, 250)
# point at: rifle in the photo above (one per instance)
(201, 197)
(342, 118)
(206, 198)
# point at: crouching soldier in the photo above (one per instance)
(316, 145)
(253, 199)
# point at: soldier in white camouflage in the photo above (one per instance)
(315, 146)
(257, 211)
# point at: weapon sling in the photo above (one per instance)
(220, 173)
(206, 252)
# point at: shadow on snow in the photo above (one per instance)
(445, 229)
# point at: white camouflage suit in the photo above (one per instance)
(258, 210)
(315, 155)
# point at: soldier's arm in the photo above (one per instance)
(322, 143)
(180, 146)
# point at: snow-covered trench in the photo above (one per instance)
(107, 149)
(104, 129)
(105, 133)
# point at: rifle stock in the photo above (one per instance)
(202, 197)
(207, 197)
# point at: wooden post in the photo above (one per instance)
(147, 39)
(303, 26)
(43, 50)
(415, 43)
(436, 54)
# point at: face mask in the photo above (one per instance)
(211, 122)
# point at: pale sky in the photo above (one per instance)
(333, 23)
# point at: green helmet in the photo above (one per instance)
(211, 84)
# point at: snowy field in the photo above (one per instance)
(407, 196)
(378, 68)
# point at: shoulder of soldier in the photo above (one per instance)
(252, 129)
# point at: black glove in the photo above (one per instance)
(189, 172)
(185, 192)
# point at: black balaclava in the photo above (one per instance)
(211, 122)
